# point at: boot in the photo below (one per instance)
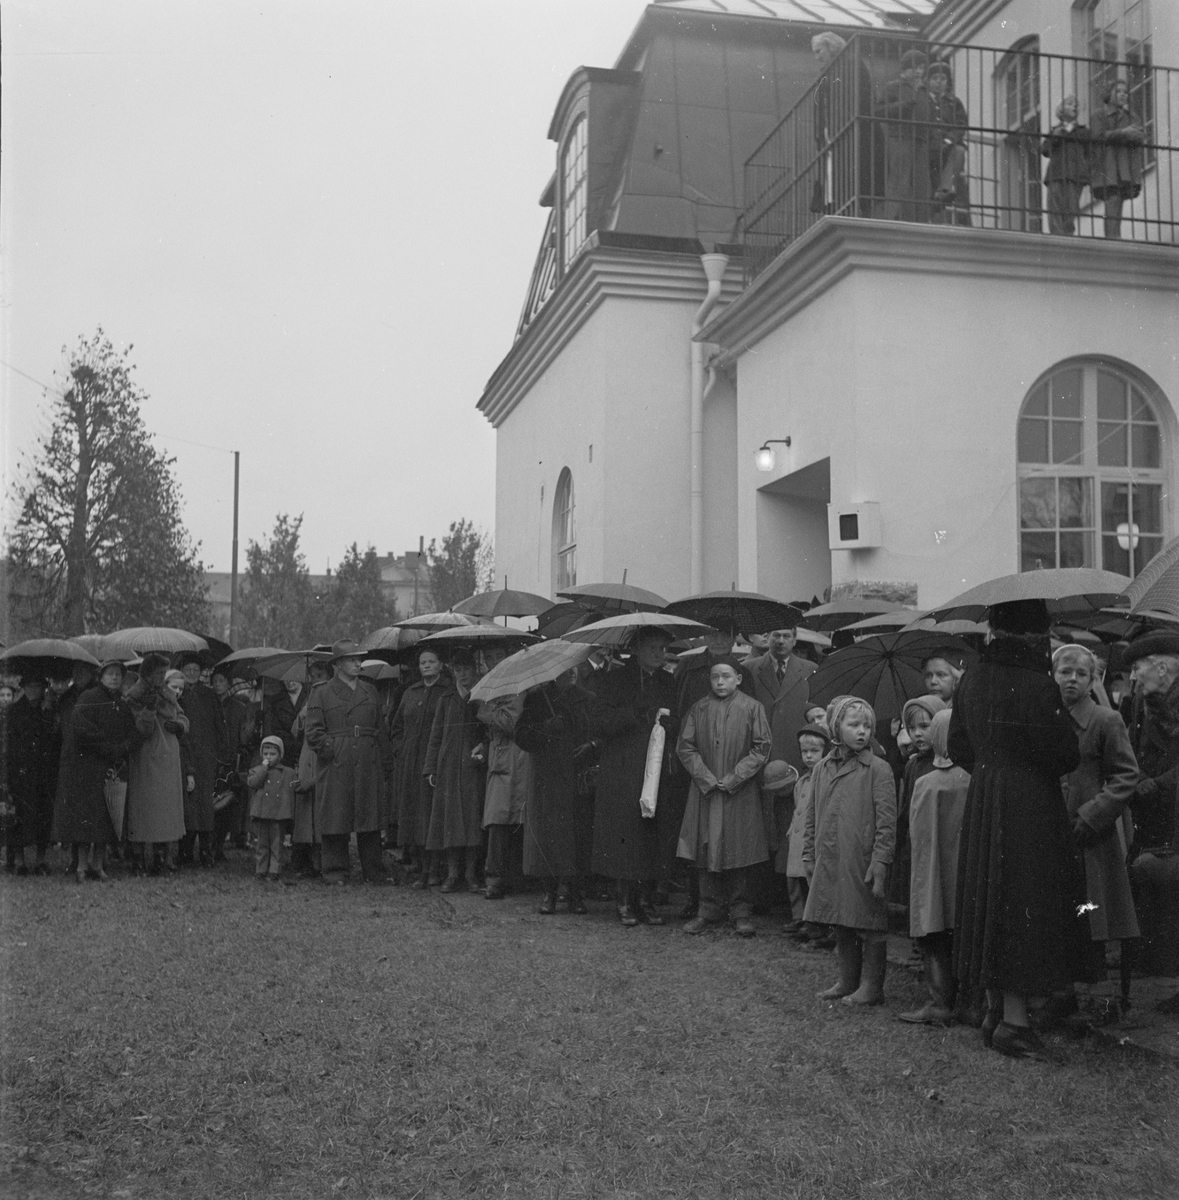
(938, 1009)
(849, 951)
(994, 1016)
(871, 989)
(548, 905)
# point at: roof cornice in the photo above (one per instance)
(836, 246)
(601, 272)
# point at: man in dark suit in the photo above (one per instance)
(779, 680)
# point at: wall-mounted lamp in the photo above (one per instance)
(765, 457)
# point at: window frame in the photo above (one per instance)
(564, 539)
(574, 190)
(1090, 508)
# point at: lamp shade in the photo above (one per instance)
(765, 459)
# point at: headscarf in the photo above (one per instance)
(831, 712)
(930, 704)
(174, 674)
(939, 737)
(847, 705)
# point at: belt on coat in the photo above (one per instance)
(356, 731)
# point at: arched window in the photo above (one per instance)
(574, 190)
(1091, 471)
(564, 533)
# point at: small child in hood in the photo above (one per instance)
(814, 741)
(272, 805)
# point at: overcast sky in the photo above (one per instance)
(315, 221)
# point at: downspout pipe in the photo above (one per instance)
(714, 271)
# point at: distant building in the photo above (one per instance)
(872, 395)
(405, 579)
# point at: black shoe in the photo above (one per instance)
(1054, 1012)
(690, 911)
(577, 905)
(647, 916)
(494, 891)
(1018, 1041)
(548, 905)
(628, 915)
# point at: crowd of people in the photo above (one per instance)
(910, 161)
(1018, 817)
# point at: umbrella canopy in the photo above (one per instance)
(239, 660)
(539, 663)
(1065, 590)
(561, 618)
(216, 652)
(378, 670)
(614, 597)
(504, 603)
(885, 670)
(888, 622)
(431, 621)
(618, 631)
(952, 626)
(291, 665)
(150, 639)
(1156, 587)
(827, 617)
(812, 638)
(737, 612)
(391, 637)
(472, 636)
(62, 650)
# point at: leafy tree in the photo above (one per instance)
(99, 542)
(458, 567)
(277, 606)
(355, 604)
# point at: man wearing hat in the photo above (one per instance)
(1154, 731)
(343, 727)
(208, 743)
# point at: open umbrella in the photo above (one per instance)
(1156, 587)
(835, 615)
(242, 659)
(619, 630)
(737, 612)
(391, 637)
(542, 662)
(561, 618)
(53, 656)
(504, 603)
(378, 670)
(429, 622)
(291, 666)
(472, 636)
(614, 597)
(1065, 590)
(952, 626)
(150, 639)
(885, 670)
(888, 622)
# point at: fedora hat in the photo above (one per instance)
(346, 649)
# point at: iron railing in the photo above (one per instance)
(942, 133)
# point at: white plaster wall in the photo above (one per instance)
(913, 384)
(720, 485)
(620, 384)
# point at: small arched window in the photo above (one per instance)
(1091, 471)
(564, 533)
(574, 192)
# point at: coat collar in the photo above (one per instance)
(1082, 712)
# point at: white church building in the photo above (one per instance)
(749, 356)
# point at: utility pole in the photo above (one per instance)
(416, 568)
(237, 461)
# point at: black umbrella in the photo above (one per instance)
(737, 612)
(614, 597)
(563, 618)
(504, 603)
(885, 670)
(838, 613)
(1156, 587)
(1065, 590)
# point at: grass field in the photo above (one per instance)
(207, 1036)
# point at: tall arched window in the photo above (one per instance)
(564, 533)
(1091, 471)
(574, 192)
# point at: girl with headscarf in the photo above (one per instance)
(937, 804)
(155, 781)
(847, 849)
(915, 719)
(1017, 933)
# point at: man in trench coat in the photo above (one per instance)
(343, 727)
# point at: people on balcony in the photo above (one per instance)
(905, 107)
(947, 148)
(1118, 155)
(1068, 150)
(842, 103)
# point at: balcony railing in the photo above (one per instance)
(966, 135)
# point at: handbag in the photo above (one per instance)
(115, 791)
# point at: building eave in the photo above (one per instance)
(836, 246)
(959, 20)
(600, 273)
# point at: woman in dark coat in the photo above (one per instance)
(558, 821)
(32, 747)
(97, 740)
(1018, 932)
(1118, 158)
(626, 844)
(454, 771)
(410, 735)
(1067, 150)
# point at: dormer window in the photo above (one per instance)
(574, 189)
